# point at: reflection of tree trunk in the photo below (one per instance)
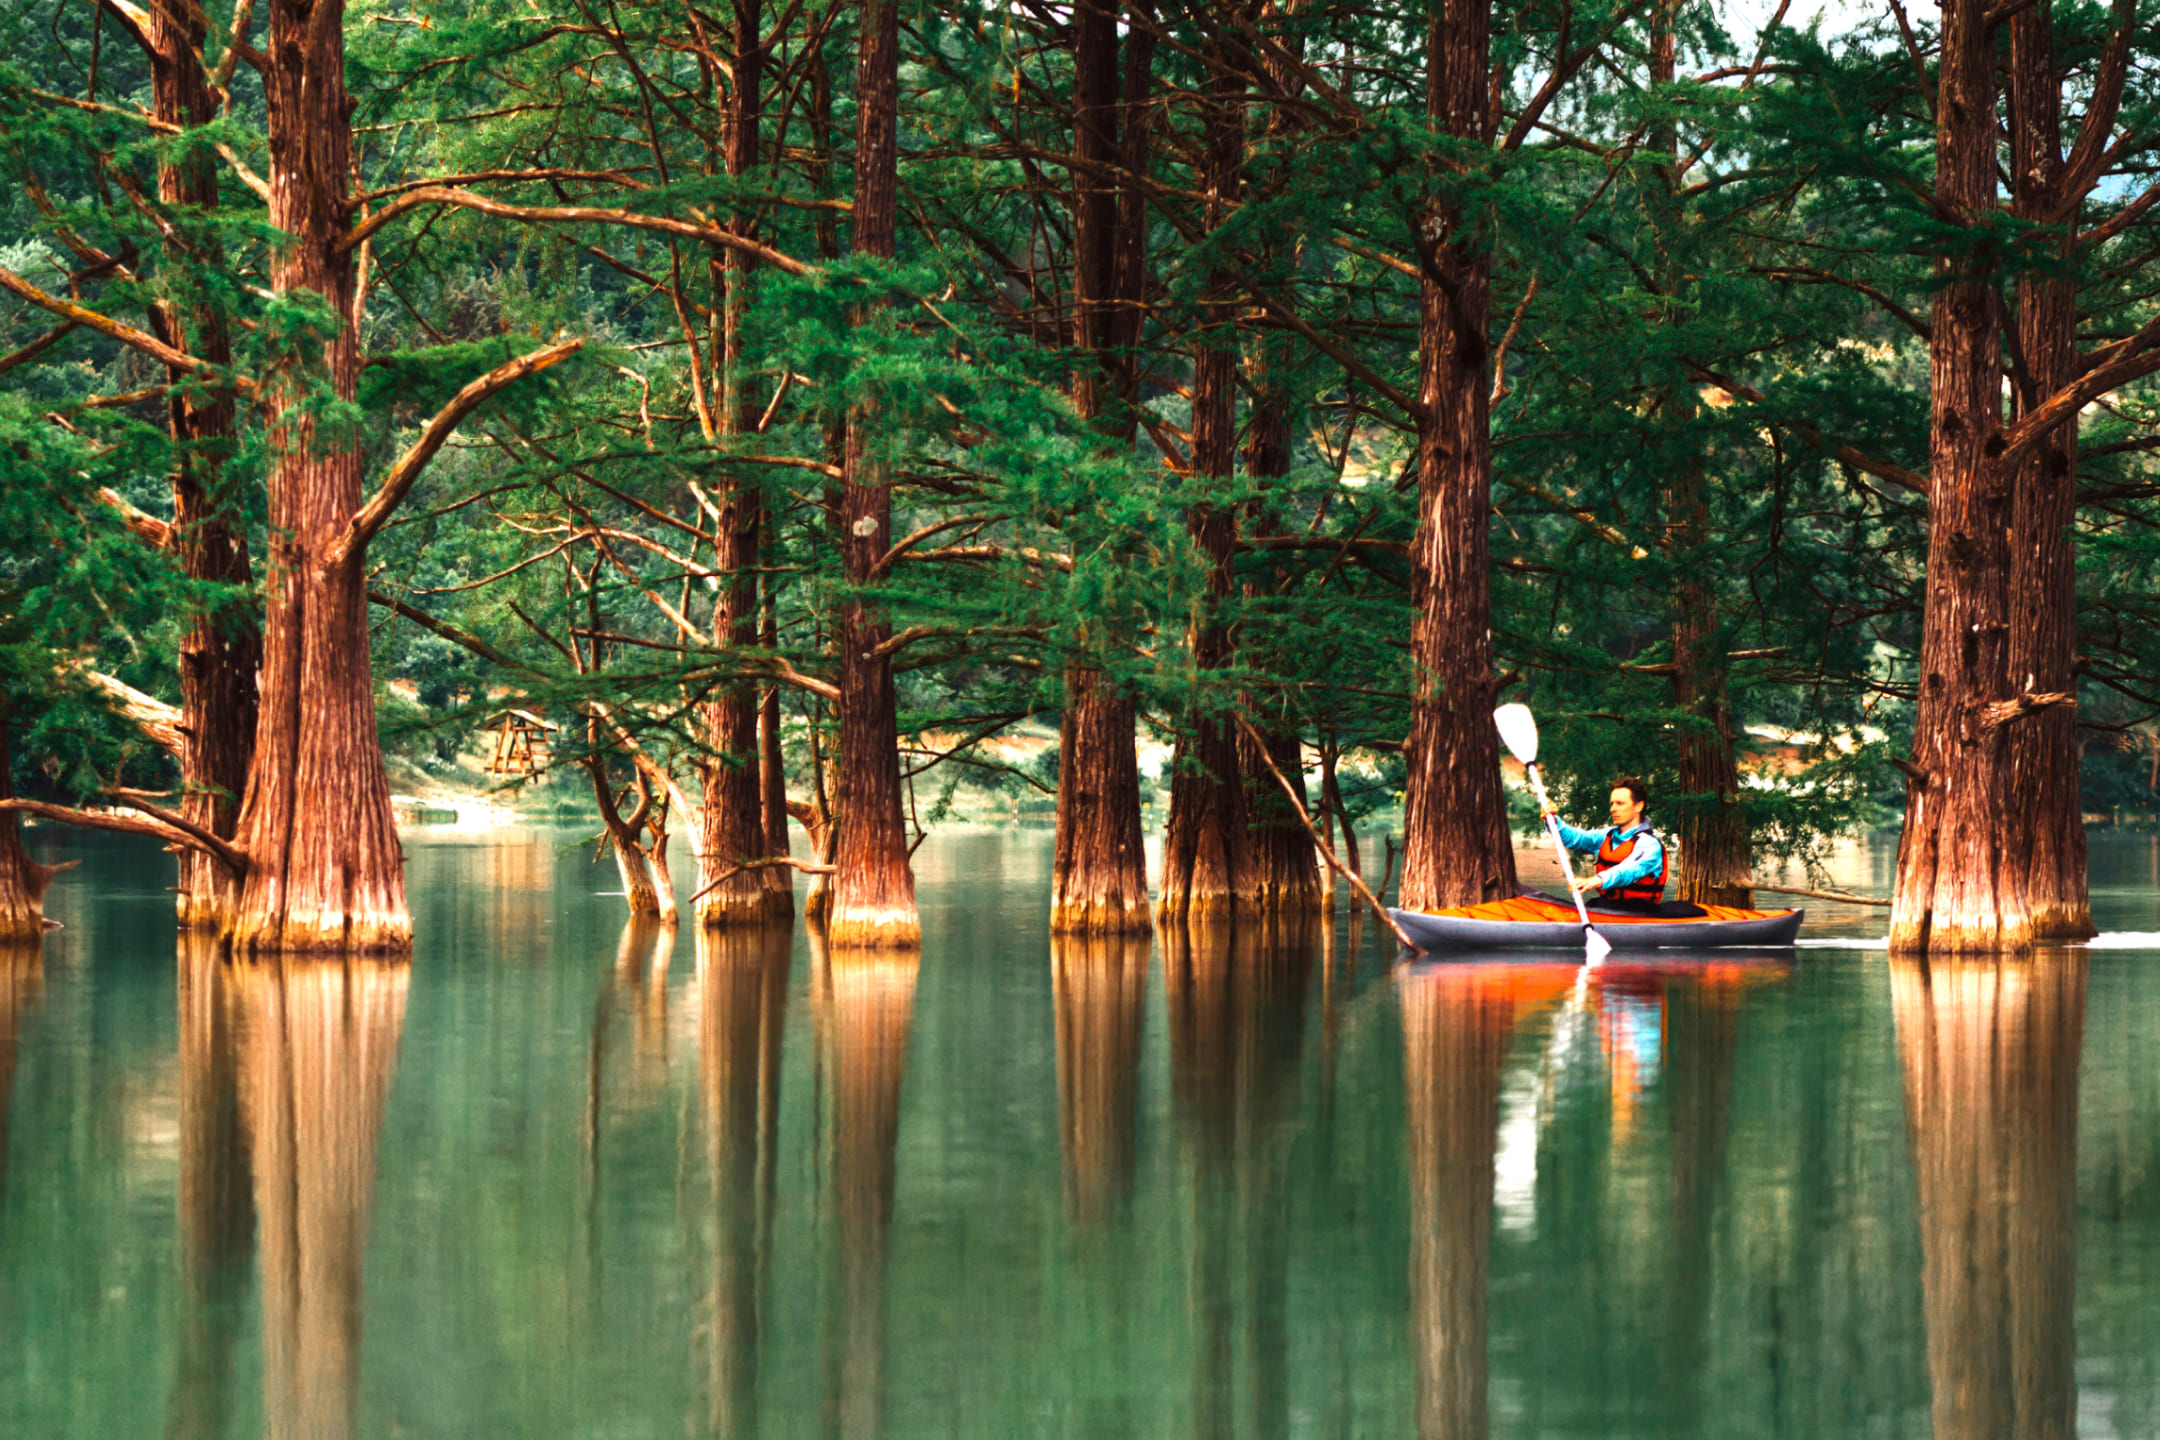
(1455, 1040)
(22, 979)
(1236, 1003)
(864, 1004)
(217, 1215)
(1699, 1049)
(1101, 992)
(1990, 1052)
(317, 1043)
(742, 988)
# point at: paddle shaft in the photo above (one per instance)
(1552, 828)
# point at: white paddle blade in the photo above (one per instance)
(1518, 731)
(1595, 946)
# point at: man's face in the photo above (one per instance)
(1626, 809)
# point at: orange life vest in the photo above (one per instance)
(1614, 850)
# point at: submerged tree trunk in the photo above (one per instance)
(1099, 880)
(731, 827)
(1456, 848)
(222, 650)
(1208, 864)
(324, 865)
(22, 880)
(1716, 864)
(1961, 859)
(874, 893)
(2043, 564)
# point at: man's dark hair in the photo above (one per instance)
(1634, 787)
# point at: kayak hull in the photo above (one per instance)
(1465, 929)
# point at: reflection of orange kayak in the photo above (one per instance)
(1541, 922)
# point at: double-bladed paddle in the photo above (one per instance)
(1518, 731)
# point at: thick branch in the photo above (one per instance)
(407, 470)
(572, 215)
(126, 334)
(163, 824)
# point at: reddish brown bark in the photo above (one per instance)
(772, 765)
(742, 991)
(1960, 860)
(641, 863)
(222, 650)
(874, 893)
(731, 824)
(2043, 581)
(1456, 848)
(1208, 863)
(22, 880)
(1990, 1051)
(318, 1043)
(867, 1004)
(1099, 879)
(324, 864)
(1100, 984)
(1716, 862)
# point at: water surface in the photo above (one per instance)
(564, 1176)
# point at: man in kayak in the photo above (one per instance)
(1631, 857)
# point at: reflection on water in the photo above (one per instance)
(863, 1003)
(22, 968)
(1248, 1182)
(317, 1042)
(1990, 1051)
(742, 978)
(1236, 1004)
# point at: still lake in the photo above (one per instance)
(563, 1177)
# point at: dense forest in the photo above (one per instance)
(791, 400)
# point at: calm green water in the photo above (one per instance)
(560, 1178)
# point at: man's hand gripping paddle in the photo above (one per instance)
(1518, 731)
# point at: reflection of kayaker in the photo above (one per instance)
(1632, 860)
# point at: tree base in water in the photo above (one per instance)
(856, 927)
(386, 933)
(1102, 915)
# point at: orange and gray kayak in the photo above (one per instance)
(1541, 922)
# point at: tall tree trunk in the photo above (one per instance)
(1960, 882)
(324, 865)
(1099, 880)
(2043, 563)
(1208, 866)
(22, 880)
(1456, 848)
(1990, 1052)
(772, 763)
(1716, 865)
(731, 826)
(222, 650)
(631, 861)
(874, 893)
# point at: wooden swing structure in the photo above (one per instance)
(522, 743)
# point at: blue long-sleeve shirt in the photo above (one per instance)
(1641, 863)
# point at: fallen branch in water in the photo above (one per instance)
(1846, 896)
(788, 860)
(1290, 794)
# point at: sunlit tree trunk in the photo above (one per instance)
(222, 649)
(1961, 860)
(324, 865)
(1456, 848)
(1100, 873)
(732, 832)
(874, 893)
(22, 880)
(1208, 862)
(2043, 563)
(1990, 1051)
